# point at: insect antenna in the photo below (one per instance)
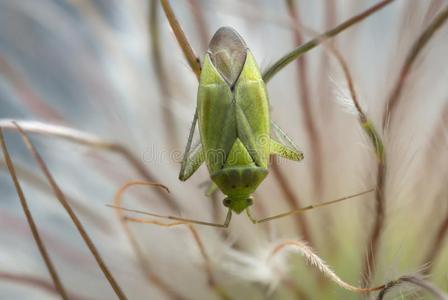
(303, 209)
(180, 221)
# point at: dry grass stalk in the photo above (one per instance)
(416, 281)
(419, 44)
(160, 72)
(143, 263)
(35, 282)
(305, 105)
(188, 51)
(378, 148)
(299, 51)
(314, 260)
(29, 217)
(87, 139)
(63, 201)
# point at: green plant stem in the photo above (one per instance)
(296, 53)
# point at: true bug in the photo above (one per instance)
(237, 135)
(234, 122)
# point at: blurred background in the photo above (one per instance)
(113, 70)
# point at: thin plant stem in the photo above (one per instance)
(437, 244)
(146, 268)
(294, 202)
(63, 201)
(260, 208)
(414, 280)
(442, 231)
(37, 182)
(188, 51)
(433, 7)
(373, 241)
(191, 57)
(305, 105)
(35, 282)
(144, 265)
(29, 217)
(323, 90)
(220, 292)
(351, 86)
(394, 98)
(160, 71)
(314, 260)
(200, 22)
(378, 148)
(87, 139)
(299, 51)
(366, 124)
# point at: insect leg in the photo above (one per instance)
(300, 210)
(281, 150)
(178, 220)
(192, 160)
(211, 189)
(281, 144)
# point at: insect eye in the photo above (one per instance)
(226, 202)
(249, 201)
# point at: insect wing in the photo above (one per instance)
(216, 117)
(252, 100)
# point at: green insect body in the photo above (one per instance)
(234, 122)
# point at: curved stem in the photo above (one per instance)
(317, 262)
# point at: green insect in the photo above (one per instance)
(237, 135)
(234, 122)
